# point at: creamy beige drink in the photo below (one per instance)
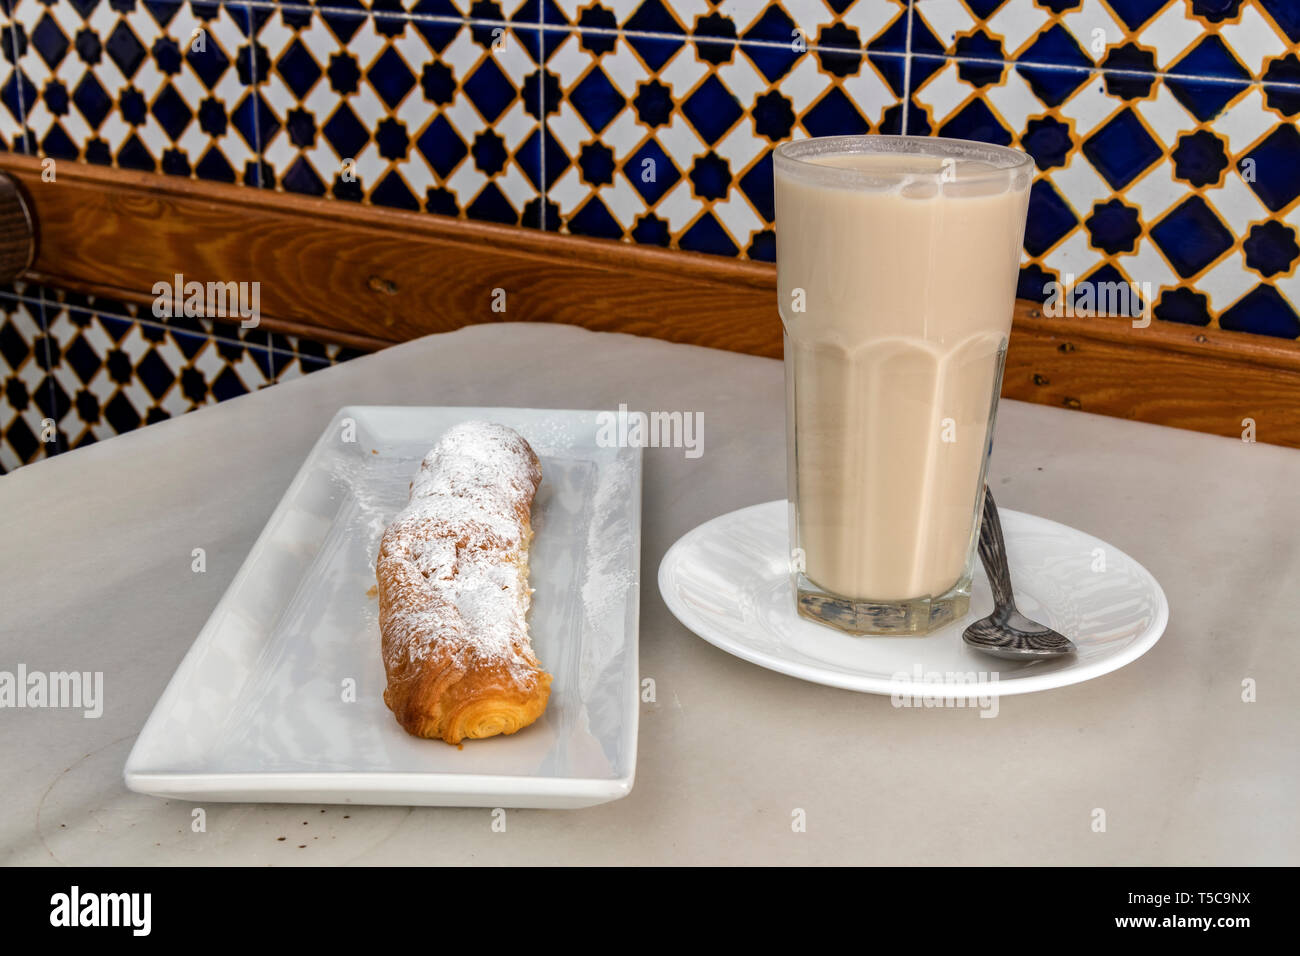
(897, 273)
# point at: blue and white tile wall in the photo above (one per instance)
(75, 369)
(1164, 132)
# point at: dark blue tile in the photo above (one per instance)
(711, 108)
(1114, 227)
(1271, 248)
(1050, 218)
(707, 236)
(1263, 311)
(1121, 149)
(1204, 99)
(1275, 167)
(1191, 236)
(1210, 57)
(651, 172)
(489, 89)
(1183, 305)
(1200, 158)
(596, 99)
(594, 219)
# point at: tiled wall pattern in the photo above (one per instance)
(1164, 131)
(74, 369)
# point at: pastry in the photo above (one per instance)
(453, 590)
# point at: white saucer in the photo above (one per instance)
(728, 581)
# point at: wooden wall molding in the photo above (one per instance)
(369, 277)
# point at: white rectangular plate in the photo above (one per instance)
(280, 697)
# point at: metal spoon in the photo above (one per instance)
(1006, 632)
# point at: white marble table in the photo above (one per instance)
(95, 575)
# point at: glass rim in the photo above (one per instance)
(795, 157)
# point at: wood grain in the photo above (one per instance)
(1203, 379)
(368, 277)
(17, 234)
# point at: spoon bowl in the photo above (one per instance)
(1007, 633)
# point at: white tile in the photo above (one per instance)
(1245, 121)
(1017, 22)
(1172, 32)
(624, 135)
(741, 147)
(1014, 101)
(139, 397)
(370, 166)
(1073, 256)
(370, 109)
(515, 125)
(680, 142)
(568, 128)
(1227, 281)
(134, 344)
(871, 19)
(944, 18)
(321, 101)
(804, 84)
(191, 90)
(174, 402)
(1155, 192)
(738, 218)
(514, 59)
(569, 61)
(624, 69)
(688, 10)
(416, 112)
(417, 174)
(1080, 184)
(462, 54)
(1252, 39)
(742, 12)
(740, 77)
(114, 130)
(683, 72)
(1093, 28)
(276, 36)
(869, 93)
(143, 25)
(516, 187)
(944, 92)
(1236, 203)
(462, 115)
(679, 206)
(1166, 117)
(465, 183)
(66, 17)
(1147, 265)
(624, 203)
(367, 44)
(1089, 105)
(228, 34)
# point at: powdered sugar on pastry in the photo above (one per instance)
(453, 576)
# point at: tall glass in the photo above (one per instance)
(897, 260)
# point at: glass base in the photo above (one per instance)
(901, 618)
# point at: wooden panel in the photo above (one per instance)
(369, 277)
(375, 276)
(1188, 377)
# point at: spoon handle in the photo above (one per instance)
(993, 553)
